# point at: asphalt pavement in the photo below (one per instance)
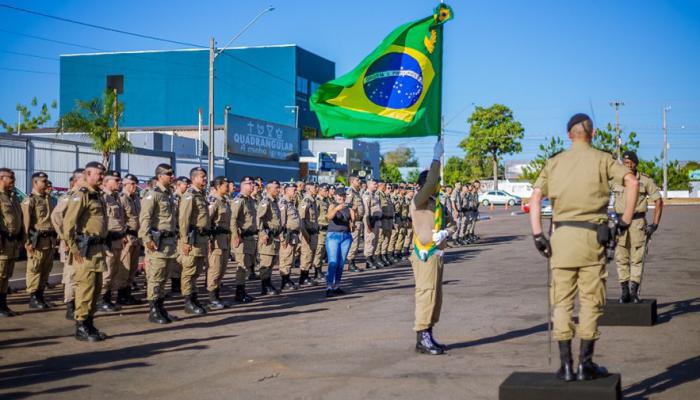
(301, 345)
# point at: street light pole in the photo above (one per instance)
(618, 141)
(665, 125)
(213, 53)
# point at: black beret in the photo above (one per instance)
(247, 179)
(39, 175)
(131, 177)
(273, 182)
(630, 155)
(113, 174)
(184, 179)
(576, 119)
(197, 169)
(95, 164)
(311, 183)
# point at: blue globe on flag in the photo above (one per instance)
(395, 80)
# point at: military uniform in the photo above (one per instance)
(399, 229)
(195, 230)
(372, 226)
(220, 213)
(456, 211)
(11, 238)
(630, 245)
(270, 228)
(354, 199)
(291, 223)
(576, 181)
(85, 232)
(68, 278)
(322, 204)
(116, 275)
(408, 237)
(132, 248)
(157, 226)
(473, 214)
(308, 212)
(387, 226)
(244, 229)
(41, 235)
(464, 214)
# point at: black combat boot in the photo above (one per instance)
(192, 306)
(106, 304)
(175, 285)
(625, 292)
(566, 370)
(266, 287)
(40, 295)
(34, 302)
(155, 315)
(587, 369)
(70, 310)
(4, 309)
(634, 292)
(425, 344)
(125, 298)
(304, 279)
(83, 332)
(370, 263)
(432, 337)
(252, 276)
(288, 283)
(351, 266)
(319, 273)
(160, 303)
(242, 296)
(384, 260)
(215, 302)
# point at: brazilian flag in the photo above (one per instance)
(395, 91)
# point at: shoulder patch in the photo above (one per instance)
(190, 190)
(188, 197)
(157, 189)
(83, 189)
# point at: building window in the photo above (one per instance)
(302, 85)
(116, 82)
(314, 86)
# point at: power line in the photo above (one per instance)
(28, 70)
(29, 55)
(51, 40)
(104, 28)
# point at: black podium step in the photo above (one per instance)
(546, 386)
(629, 314)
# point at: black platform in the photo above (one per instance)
(546, 386)
(629, 314)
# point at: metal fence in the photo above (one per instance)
(58, 158)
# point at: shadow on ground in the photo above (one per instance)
(675, 375)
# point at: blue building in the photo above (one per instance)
(268, 84)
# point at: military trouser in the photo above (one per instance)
(244, 263)
(474, 215)
(457, 226)
(192, 267)
(393, 238)
(371, 240)
(408, 239)
(308, 251)
(88, 284)
(589, 283)
(629, 252)
(68, 281)
(320, 248)
(157, 274)
(130, 260)
(176, 271)
(39, 265)
(218, 260)
(384, 240)
(428, 277)
(268, 261)
(117, 274)
(287, 255)
(7, 268)
(357, 231)
(463, 225)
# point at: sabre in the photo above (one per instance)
(549, 299)
(644, 259)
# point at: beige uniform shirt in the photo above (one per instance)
(158, 214)
(10, 224)
(308, 212)
(270, 223)
(194, 215)
(648, 191)
(132, 210)
(373, 207)
(322, 204)
(86, 214)
(354, 199)
(577, 182)
(36, 211)
(290, 215)
(244, 222)
(116, 218)
(220, 213)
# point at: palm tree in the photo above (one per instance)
(99, 119)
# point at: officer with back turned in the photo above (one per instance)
(11, 235)
(577, 183)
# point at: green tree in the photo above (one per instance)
(604, 139)
(401, 157)
(99, 120)
(389, 172)
(494, 132)
(678, 178)
(413, 176)
(30, 121)
(547, 150)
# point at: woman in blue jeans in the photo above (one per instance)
(340, 219)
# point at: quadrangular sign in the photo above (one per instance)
(256, 138)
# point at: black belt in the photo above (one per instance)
(94, 240)
(220, 231)
(387, 217)
(639, 215)
(7, 236)
(132, 232)
(323, 228)
(577, 224)
(168, 234)
(47, 234)
(312, 231)
(249, 233)
(115, 235)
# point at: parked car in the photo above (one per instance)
(545, 208)
(499, 197)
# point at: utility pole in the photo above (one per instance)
(19, 122)
(618, 141)
(227, 111)
(664, 111)
(212, 56)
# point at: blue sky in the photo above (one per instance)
(544, 59)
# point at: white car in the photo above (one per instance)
(499, 197)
